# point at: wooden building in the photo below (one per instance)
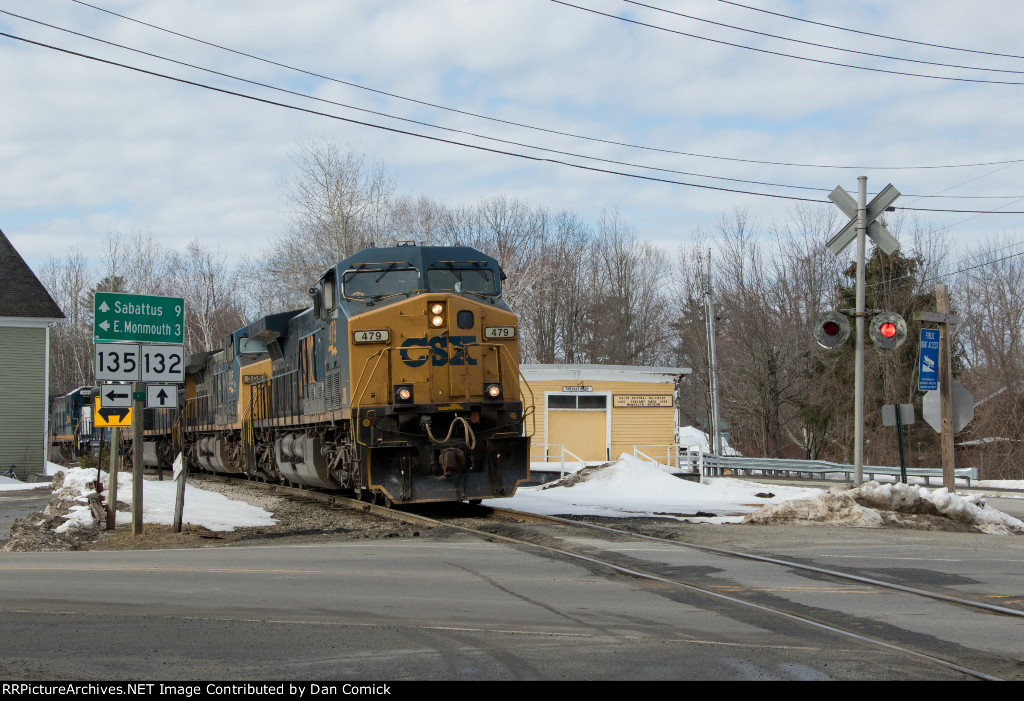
(598, 412)
(26, 313)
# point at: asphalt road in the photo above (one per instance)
(19, 504)
(466, 609)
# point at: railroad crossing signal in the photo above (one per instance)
(887, 330)
(882, 238)
(831, 329)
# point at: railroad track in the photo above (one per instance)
(566, 541)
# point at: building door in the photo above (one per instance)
(580, 423)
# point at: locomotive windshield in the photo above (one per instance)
(381, 281)
(452, 278)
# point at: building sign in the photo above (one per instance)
(641, 400)
(578, 388)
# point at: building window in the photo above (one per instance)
(572, 401)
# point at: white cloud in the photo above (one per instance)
(90, 147)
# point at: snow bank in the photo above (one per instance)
(632, 487)
(694, 437)
(202, 508)
(862, 506)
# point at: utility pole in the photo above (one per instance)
(716, 429)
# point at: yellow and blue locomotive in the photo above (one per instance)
(400, 383)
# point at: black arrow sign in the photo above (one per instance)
(162, 396)
(119, 412)
(111, 395)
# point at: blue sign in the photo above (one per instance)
(928, 363)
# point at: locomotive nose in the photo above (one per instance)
(453, 461)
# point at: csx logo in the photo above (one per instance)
(443, 350)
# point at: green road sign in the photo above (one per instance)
(138, 318)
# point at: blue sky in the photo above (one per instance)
(90, 148)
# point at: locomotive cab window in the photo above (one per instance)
(380, 282)
(462, 279)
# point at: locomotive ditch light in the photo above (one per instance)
(831, 329)
(887, 330)
(492, 390)
(403, 394)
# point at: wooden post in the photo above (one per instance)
(138, 409)
(115, 448)
(945, 389)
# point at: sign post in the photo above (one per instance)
(943, 318)
(899, 416)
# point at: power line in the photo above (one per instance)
(449, 129)
(532, 127)
(406, 119)
(447, 141)
(820, 46)
(871, 34)
(785, 55)
(404, 132)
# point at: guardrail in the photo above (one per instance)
(709, 464)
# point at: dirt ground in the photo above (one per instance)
(297, 520)
(300, 520)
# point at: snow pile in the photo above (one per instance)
(634, 487)
(695, 438)
(873, 505)
(65, 523)
(68, 518)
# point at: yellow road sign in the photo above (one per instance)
(119, 417)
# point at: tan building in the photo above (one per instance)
(598, 412)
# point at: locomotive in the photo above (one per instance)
(72, 432)
(400, 383)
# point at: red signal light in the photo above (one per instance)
(887, 330)
(830, 328)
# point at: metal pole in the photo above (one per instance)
(899, 437)
(858, 378)
(138, 407)
(713, 365)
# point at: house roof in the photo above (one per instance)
(21, 293)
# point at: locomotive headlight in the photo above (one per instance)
(492, 390)
(436, 310)
(403, 394)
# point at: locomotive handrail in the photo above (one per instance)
(357, 399)
(533, 397)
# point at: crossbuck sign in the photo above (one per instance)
(882, 238)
